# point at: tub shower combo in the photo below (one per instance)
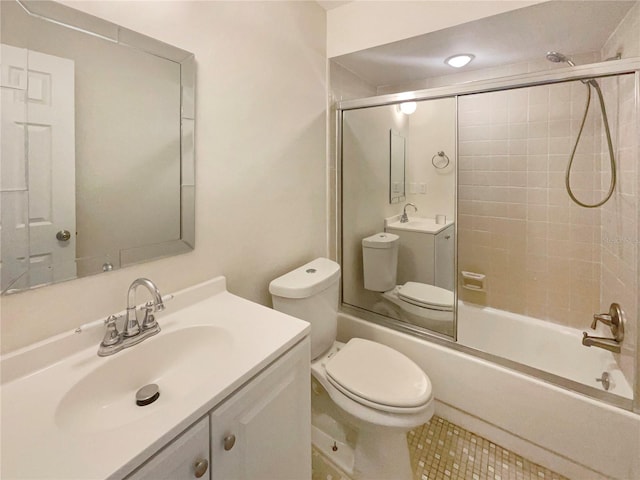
(542, 208)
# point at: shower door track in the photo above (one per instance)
(547, 77)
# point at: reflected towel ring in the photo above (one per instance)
(442, 162)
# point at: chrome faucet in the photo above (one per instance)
(131, 326)
(615, 320)
(404, 218)
(132, 333)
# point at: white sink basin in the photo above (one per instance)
(67, 413)
(416, 224)
(177, 362)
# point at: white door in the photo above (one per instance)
(49, 129)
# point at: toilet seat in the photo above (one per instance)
(426, 296)
(379, 377)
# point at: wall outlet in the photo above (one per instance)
(423, 188)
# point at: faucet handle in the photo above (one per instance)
(602, 317)
(614, 319)
(149, 320)
(111, 336)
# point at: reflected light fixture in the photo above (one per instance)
(459, 60)
(408, 107)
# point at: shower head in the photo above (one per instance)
(557, 57)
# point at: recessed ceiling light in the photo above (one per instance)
(459, 60)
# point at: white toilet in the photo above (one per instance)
(423, 301)
(380, 394)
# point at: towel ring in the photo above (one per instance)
(441, 162)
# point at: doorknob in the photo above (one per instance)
(63, 235)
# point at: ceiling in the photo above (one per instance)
(520, 35)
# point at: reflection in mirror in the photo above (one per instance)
(534, 267)
(396, 163)
(402, 270)
(97, 146)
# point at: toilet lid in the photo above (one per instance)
(422, 294)
(378, 375)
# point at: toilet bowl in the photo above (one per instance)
(373, 391)
(424, 304)
(422, 300)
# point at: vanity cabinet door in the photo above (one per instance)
(263, 432)
(186, 458)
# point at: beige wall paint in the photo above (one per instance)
(365, 24)
(344, 85)
(432, 128)
(260, 158)
(365, 177)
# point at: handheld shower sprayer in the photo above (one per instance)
(557, 57)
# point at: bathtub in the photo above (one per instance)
(541, 345)
(575, 435)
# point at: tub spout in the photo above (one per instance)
(601, 342)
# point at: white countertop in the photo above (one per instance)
(39, 442)
(416, 224)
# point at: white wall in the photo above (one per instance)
(365, 177)
(260, 157)
(365, 24)
(432, 128)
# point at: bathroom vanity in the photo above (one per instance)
(234, 398)
(426, 252)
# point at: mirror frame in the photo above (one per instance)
(68, 17)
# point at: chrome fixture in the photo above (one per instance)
(557, 57)
(605, 379)
(615, 320)
(131, 326)
(404, 218)
(132, 333)
(147, 395)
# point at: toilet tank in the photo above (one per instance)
(380, 261)
(311, 293)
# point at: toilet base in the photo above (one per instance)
(340, 453)
(363, 451)
(382, 455)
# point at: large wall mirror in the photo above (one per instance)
(97, 146)
(401, 269)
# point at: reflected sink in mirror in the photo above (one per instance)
(417, 224)
(176, 361)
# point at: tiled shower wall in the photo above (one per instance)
(619, 217)
(517, 225)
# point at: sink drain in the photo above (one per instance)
(147, 395)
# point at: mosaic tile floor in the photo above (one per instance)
(441, 450)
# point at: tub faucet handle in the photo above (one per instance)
(614, 319)
(602, 317)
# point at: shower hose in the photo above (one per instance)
(612, 162)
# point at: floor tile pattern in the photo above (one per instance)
(441, 450)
